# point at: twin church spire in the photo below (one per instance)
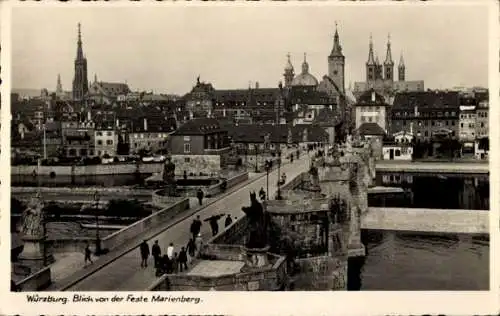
(374, 68)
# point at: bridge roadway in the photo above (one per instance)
(125, 273)
(433, 167)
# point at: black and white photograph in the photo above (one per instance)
(249, 148)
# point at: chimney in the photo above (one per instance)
(373, 96)
(145, 124)
(118, 123)
(89, 116)
(256, 85)
(224, 112)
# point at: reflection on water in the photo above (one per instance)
(442, 192)
(405, 261)
(92, 180)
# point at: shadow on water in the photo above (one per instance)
(441, 192)
(405, 261)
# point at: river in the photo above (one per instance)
(404, 261)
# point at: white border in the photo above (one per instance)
(267, 303)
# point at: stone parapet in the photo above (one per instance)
(158, 218)
(36, 281)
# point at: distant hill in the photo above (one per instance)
(27, 92)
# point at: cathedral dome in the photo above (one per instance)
(305, 78)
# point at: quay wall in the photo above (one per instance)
(90, 170)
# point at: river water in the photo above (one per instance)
(404, 261)
(413, 261)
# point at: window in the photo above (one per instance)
(99, 133)
(187, 148)
(452, 123)
(397, 153)
(370, 119)
(98, 153)
(109, 142)
(461, 125)
(187, 159)
(99, 142)
(426, 133)
(109, 133)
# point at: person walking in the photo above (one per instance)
(200, 196)
(144, 247)
(156, 253)
(196, 226)
(191, 247)
(198, 245)
(170, 251)
(175, 263)
(262, 194)
(214, 225)
(228, 221)
(87, 254)
(182, 260)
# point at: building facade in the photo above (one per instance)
(78, 138)
(199, 147)
(426, 114)
(371, 108)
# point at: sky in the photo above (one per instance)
(164, 48)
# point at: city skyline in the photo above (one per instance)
(172, 65)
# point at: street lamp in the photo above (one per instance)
(256, 163)
(98, 249)
(279, 175)
(268, 168)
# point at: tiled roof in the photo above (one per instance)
(370, 97)
(370, 129)
(427, 99)
(326, 117)
(255, 133)
(298, 95)
(199, 126)
(109, 88)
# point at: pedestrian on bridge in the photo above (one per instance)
(200, 196)
(170, 251)
(213, 220)
(156, 253)
(191, 247)
(183, 259)
(144, 248)
(196, 227)
(87, 254)
(199, 245)
(228, 221)
(262, 194)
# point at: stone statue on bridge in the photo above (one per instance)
(33, 219)
(169, 177)
(257, 236)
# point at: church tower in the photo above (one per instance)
(401, 69)
(371, 66)
(289, 73)
(388, 63)
(378, 69)
(336, 63)
(59, 90)
(80, 82)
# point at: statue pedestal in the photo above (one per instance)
(256, 257)
(35, 253)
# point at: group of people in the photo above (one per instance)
(172, 261)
